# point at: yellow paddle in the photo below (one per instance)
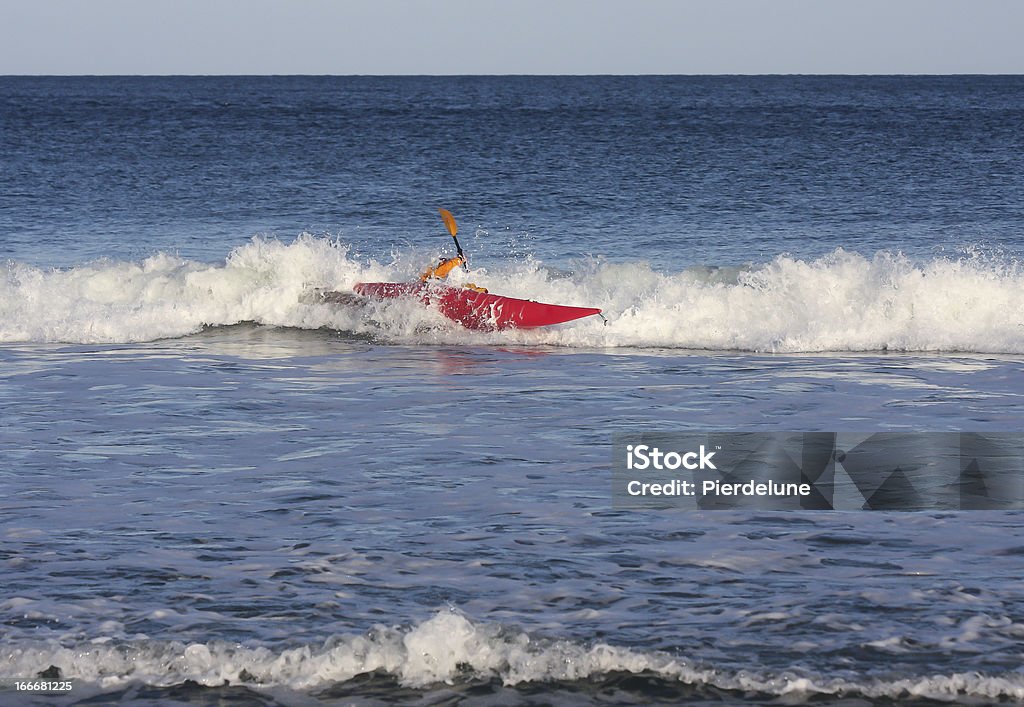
(449, 223)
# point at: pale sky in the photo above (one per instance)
(511, 37)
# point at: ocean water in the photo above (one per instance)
(217, 490)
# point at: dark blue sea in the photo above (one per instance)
(218, 488)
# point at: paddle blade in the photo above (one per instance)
(449, 222)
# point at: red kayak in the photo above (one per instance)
(477, 310)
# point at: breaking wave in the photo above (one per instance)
(843, 301)
(451, 649)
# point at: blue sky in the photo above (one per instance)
(512, 36)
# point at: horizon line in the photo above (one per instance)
(501, 75)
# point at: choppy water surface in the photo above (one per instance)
(308, 508)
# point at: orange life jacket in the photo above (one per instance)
(441, 270)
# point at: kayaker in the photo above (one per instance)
(446, 265)
(441, 270)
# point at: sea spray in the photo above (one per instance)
(450, 648)
(842, 302)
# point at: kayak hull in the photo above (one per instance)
(482, 311)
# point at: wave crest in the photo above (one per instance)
(449, 648)
(841, 302)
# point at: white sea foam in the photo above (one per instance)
(842, 302)
(449, 648)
